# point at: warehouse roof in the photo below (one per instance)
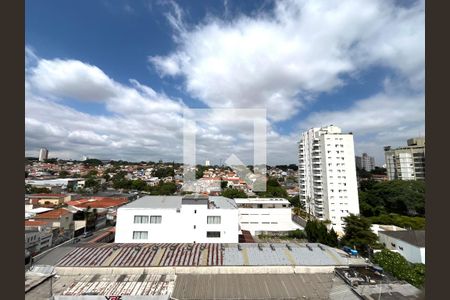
(253, 286)
(413, 237)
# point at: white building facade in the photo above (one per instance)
(409, 243)
(260, 215)
(327, 175)
(406, 163)
(178, 219)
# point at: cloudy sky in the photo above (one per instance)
(113, 79)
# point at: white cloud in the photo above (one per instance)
(282, 61)
(72, 79)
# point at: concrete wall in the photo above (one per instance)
(266, 219)
(178, 227)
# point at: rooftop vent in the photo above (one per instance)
(272, 247)
(154, 248)
(173, 247)
(239, 247)
(309, 247)
(321, 247)
(260, 247)
(289, 247)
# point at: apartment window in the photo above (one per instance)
(140, 235)
(155, 219)
(266, 222)
(213, 234)
(140, 219)
(195, 226)
(213, 219)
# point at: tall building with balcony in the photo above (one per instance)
(406, 163)
(327, 175)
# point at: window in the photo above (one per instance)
(213, 219)
(140, 235)
(213, 234)
(155, 219)
(195, 211)
(140, 219)
(195, 226)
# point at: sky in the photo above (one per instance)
(114, 79)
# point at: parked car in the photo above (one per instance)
(87, 234)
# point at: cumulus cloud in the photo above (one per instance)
(281, 61)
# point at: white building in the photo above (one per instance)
(43, 154)
(259, 215)
(406, 163)
(178, 219)
(327, 175)
(409, 243)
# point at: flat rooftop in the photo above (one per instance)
(261, 201)
(170, 255)
(175, 202)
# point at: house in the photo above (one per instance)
(178, 219)
(53, 199)
(376, 228)
(409, 243)
(38, 236)
(60, 219)
(259, 215)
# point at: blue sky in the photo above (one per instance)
(91, 64)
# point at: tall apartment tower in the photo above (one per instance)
(406, 163)
(43, 154)
(365, 162)
(327, 175)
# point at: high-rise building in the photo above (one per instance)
(365, 162)
(43, 154)
(406, 163)
(327, 175)
(207, 163)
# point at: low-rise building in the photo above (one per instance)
(38, 236)
(409, 243)
(60, 219)
(178, 219)
(259, 215)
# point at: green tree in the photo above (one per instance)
(358, 233)
(233, 193)
(332, 238)
(223, 184)
(405, 197)
(63, 174)
(395, 264)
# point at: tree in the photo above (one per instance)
(400, 268)
(223, 184)
(295, 201)
(395, 196)
(63, 174)
(332, 238)
(233, 193)
(91, 173)
(358, 233)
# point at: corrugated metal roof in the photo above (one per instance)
(144, 255)
(253, 286)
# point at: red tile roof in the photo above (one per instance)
(31, 223)
(99, 202)
(53, 214)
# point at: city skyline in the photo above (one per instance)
(114, 86)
